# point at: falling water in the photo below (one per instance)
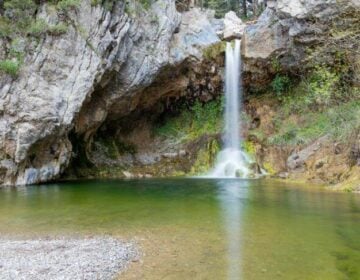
(232, 161)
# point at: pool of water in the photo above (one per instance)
(201, 228)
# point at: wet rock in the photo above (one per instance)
(128, 175)
(238, 173)
(283, 175)
(147, 158)
(255, 168)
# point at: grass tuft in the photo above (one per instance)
(10, 67)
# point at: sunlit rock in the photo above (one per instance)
(233, 27)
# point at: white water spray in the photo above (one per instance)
(232, 161)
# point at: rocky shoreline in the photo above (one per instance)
(65, 258)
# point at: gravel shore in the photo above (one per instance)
(55, 259)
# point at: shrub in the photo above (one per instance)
(58, 29)
(66, 5)
(20, 12)
(38, 28)
(321, 85)
(10, 67)
(249, 148)
(5, 27)
(339, 122)
(17, 49)
(213, 51)
(95, 2)
(281, 84)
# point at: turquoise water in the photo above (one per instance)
(199, 228)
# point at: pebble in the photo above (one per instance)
(63, 258)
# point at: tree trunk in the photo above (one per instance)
(255, 7)
(244, 8)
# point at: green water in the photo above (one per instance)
(201, 229)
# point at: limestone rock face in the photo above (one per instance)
(73, 82)
(284, 31)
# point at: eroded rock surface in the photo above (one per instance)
(97, 70)
(280, 38)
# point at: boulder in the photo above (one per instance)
(233, 27)
(297, 160)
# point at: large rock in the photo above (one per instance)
(286, 29)
(233, 27)
(296, 162)
(72, 83)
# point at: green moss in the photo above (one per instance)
(178, 173)
(205, 158)
(249, 148)
(269, 168)
(214, 51)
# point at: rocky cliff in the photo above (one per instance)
(70, 84)
(135, 91)
(301, 68)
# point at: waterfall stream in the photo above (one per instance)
(232, 162)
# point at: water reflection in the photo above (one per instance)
(232, 196)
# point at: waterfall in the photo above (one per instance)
(232, 161)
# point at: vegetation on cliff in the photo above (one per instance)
(193, 122)
(20, 26)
